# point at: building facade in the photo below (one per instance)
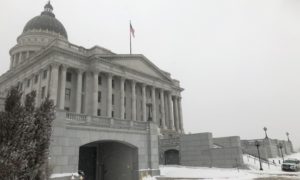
(105, 102)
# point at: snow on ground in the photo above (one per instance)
(269, 171)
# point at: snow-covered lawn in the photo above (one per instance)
(271, 172)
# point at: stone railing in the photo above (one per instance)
(97, 121)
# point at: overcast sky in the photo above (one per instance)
(238, 61)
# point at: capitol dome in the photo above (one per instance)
(47, 22)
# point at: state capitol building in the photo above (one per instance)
(105, 102)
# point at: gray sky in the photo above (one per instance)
(239, 61)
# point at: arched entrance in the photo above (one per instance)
(109, 160)
(171, 157)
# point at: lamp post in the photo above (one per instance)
(280, 147)
(257, 144)
(288, 136)
(265, 129)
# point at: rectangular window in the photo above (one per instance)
(43, 92)
(112, 99)
(99, 80)
(67, 108)
(112, 114)
(68, 94)
(44, 74)
(98, 112)
(113, 84)
(28, 82)
(36, 78)
(99, 96)
(69, 76)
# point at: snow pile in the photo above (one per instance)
(63, 175)
(206, 173)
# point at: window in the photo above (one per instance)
(113, 84)
(99, 96)
(36, 78)
(99, 80)
(159, 96)
(98, 112)
(124, 86)
(68, 94)
(43, 92)
(67, 108)
(112, 99)
(28, 82)
(44, 74)
(112, 114)
(69, 76)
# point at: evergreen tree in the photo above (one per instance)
(24, 136)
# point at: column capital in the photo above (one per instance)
(55, 65)
(80, 71)
(122, 78)
(64, 66)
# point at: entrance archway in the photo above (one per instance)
(109, 160)
(171, 157)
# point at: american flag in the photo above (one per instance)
(131, 30)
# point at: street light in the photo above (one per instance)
(288, 136)
(280, 147)
(265, 129)
(257, 144)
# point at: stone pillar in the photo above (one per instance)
(153, 104)
(176, 118)
(180, 115)
(109, 94)
(54, 82)
(20, 58)
(63, 87)
(144, 106)
(163, 115)
(95, 92)
(11, 62)
(14, 60)
(79, 91)
(27, 54)
(171, 113)
(133, 98)
(39, 88)
(122, 107)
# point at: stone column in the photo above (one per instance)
(133, 97)
(14, 60)
(122, 107)
(163, 115)
(180, 115)
(144, 106)
(20, 58)
(176, 118)
(95, 92)
(27, 54)
(109, 94)
(63, 87)
(11, 62)
(153, 104)
(39, 88)
(54, 82)
(79, 91)
(171, 113)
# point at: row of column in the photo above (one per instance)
(174, 102)
(18, 57)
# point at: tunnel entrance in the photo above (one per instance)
(171, 157)
(108, 160)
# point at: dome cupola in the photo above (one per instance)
(46, 22)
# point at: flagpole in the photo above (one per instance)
(130, 36)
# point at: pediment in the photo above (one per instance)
(142, 65)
